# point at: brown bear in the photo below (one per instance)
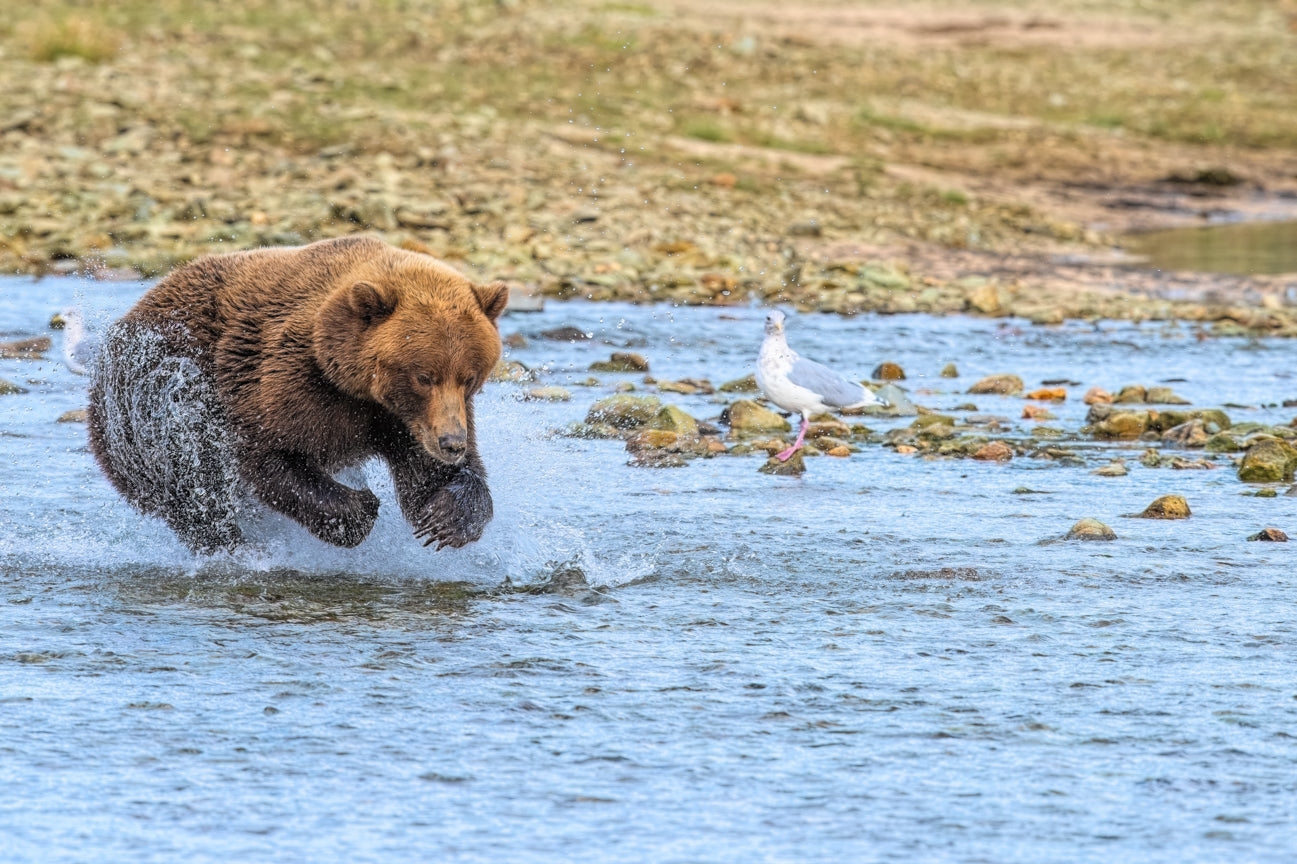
(266, 372)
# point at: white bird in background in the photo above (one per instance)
(803, 386)
(79, 344)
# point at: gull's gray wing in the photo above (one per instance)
(832, 388)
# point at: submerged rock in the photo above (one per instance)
(1115, 468)
(1166, 507)
(8, 387)
(1005, 385)
(546, 394)
(76, 415)
(1164, 396)
(1270, 535)
(621, 361)
(1097, 396)
(1268, 461)
(950, 370)
(25, 349)
(1090, 529)
(564, 334)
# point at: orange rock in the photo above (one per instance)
(1056, 394)
(725, 180)
(1037, 412)
(996, 451)
(1097, 396)
(840, 451)
(906, 449)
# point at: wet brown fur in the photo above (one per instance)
(324, 356)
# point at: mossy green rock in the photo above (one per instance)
(7, 387)
(624, 412)
(621, 361)
(1124, 424)
(1222, 442)
(795, 465)
(746, 417)
(746, 384)
(1268, 461)
(673, 419)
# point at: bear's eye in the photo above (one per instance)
(423, 379)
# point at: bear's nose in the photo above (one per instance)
(453, 444)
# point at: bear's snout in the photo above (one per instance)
(453, 444)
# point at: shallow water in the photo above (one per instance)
(877, 661)
(1248, 248)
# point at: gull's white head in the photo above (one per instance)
(774, 322)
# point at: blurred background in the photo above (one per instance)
(847, 156)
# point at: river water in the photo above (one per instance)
(883, 660)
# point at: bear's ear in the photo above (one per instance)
(492, 298)
(370, 302)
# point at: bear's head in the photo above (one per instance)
(419, 342)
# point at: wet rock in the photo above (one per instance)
(8, 387)
(25, 349)
(624, 387)
(515, 340)
(592, 431)
(1164, 396)
(1124, 424)
(745, 417)
(673, 419)
(1115, 468)
(888, 372)
(827, 426)
(546, 394)
(1188, 436)
(1270, 535)
(564, 334)
(950, 370)
(1151, 459)
(1132, 394)
(995, 451)
(1038, 413)
(923, 421)
(621, 361)
(1055, 394)
(841, 451)
(795, 466)
(624, 412)
(1097, 396)
(1269, 460)
(1166, 507)
(1292, 492)
(657, 459)
(511, 371)
(590, 381)
(1222, 442)
(1179, 464)
(76, 415)
(746, 384)
(653, 439)
(1006, 385)
(1090, 529)
(686, 386)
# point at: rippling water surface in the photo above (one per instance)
(880, 660)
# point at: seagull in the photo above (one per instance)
(79, 344)
(803, 386)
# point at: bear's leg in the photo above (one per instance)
(158, 432)
(297, 487)
(449, 505)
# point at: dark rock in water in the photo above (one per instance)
(1025, 490)
(1291, 493)
(621, 361)
(7, 387)
(564, 334)
(1090, 529)
(569, 580)
(795, 466)
(1191, 435)
(515, 340)
(1272, 535)
(888, 372)
(1166, 507)
(1268, 461)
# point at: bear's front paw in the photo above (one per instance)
(455, 516)
(350, 521)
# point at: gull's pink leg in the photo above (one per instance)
(797, 445)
